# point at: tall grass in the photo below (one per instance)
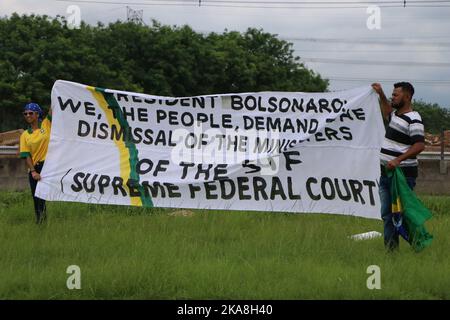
(135, 253)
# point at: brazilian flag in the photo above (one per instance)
(409, 213)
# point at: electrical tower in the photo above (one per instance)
(135, 16)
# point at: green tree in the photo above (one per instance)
(434, 117)
(162, 60)
(36, 51)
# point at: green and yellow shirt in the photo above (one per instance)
(34, 143)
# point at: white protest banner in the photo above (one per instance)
(266, 151)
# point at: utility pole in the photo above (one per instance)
(135, 16)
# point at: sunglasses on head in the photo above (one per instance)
(28, 113)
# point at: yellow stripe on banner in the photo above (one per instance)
(397, 207)
(123, 150)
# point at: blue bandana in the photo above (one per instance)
(34, 107)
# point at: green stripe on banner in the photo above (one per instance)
(134, 176)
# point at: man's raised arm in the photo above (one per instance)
(386, 107)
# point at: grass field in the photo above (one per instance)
(134, 253)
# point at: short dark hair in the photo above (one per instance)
(406, 86)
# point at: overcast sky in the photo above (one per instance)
(347, 51)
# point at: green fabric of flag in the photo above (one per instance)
(411, 210)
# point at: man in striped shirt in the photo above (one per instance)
(403, 141)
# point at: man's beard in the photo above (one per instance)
(398, 105)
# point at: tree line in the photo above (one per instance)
(158, 59)
(161, 60)
(434, 117)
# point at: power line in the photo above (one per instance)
(397, 2)
(129, 3)
(404, 42)
(257, 5)
(314, 2)
(333, 40)
(371, 62)
(325, 2)
(370, 51)
(376, 41)
(321, 7)
(418, 81)
(388, 37)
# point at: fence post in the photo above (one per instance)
(442, 162)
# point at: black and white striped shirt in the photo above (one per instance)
(402, 132)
